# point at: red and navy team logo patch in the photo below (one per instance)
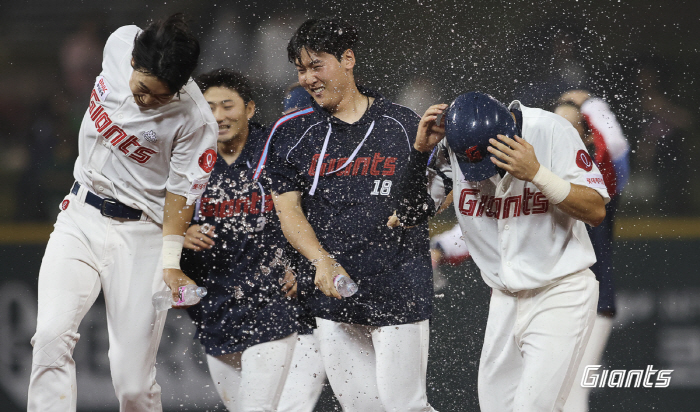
(473, 154)
(207, 160)
(64, 204)
(584, 161)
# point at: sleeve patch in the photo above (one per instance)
(198, 186)
(584, 161)
(595, 181)
(102, 88)
(207, 160)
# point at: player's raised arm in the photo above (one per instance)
(517, 157)
(301, 235)
(430, 132)
(415, 204)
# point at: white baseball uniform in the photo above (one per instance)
(611, 156)
(536, 259)
(132, 155)
(306, 378)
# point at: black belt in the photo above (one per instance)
(109, 207)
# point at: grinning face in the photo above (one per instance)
(325, 78)
(230, 112)
(148, 90)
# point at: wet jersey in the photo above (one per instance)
(519, 240)
(133, 154)
(346, 174)
(242, 271)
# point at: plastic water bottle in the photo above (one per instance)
(189, 295)
(344, 285)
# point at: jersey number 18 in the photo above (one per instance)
(381, 187)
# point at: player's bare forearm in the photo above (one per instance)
(584, 204)
(176, 219)
(176, 215)
(446, 203)
(302, 237)
(296, 227)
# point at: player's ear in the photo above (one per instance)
(347, 60)
(250, 109)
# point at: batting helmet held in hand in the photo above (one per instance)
(471, 120)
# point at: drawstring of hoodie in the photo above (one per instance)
(262, 191)
(319, 163)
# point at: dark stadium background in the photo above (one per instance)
(506, 48)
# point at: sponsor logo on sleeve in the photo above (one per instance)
(595, 181)
(102, 88)
(207, 160)
(198, 186)
(584, 161)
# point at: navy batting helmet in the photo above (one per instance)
(471, 120)
(295, 99)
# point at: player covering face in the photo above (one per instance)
(524, 186)
(143, 162)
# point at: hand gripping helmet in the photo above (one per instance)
(471, 120)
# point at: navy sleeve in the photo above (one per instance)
(283, 174)
(415, 204)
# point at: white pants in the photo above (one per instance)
(88, 252)
(252, 380)
(373, 369)
(306, 377)
(533, 344)
(578, 397)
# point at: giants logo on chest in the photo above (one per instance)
(227, 208)
(360, 166)
(129, 145)
(530, 202)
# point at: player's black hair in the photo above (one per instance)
(229, 79)
(331, 35)
(168, 50)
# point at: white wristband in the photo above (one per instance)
(552, 186)
(172, 249)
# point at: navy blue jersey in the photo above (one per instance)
(242, 271)
(348, 197)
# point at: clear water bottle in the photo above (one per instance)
(189, 295)
(344, 285)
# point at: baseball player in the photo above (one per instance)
(247, 326)
(333, 166)
(521, 203)
(307, 376)
(605, 141)
(146, 147)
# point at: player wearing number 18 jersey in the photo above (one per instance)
(345, 197)
(333, 167)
